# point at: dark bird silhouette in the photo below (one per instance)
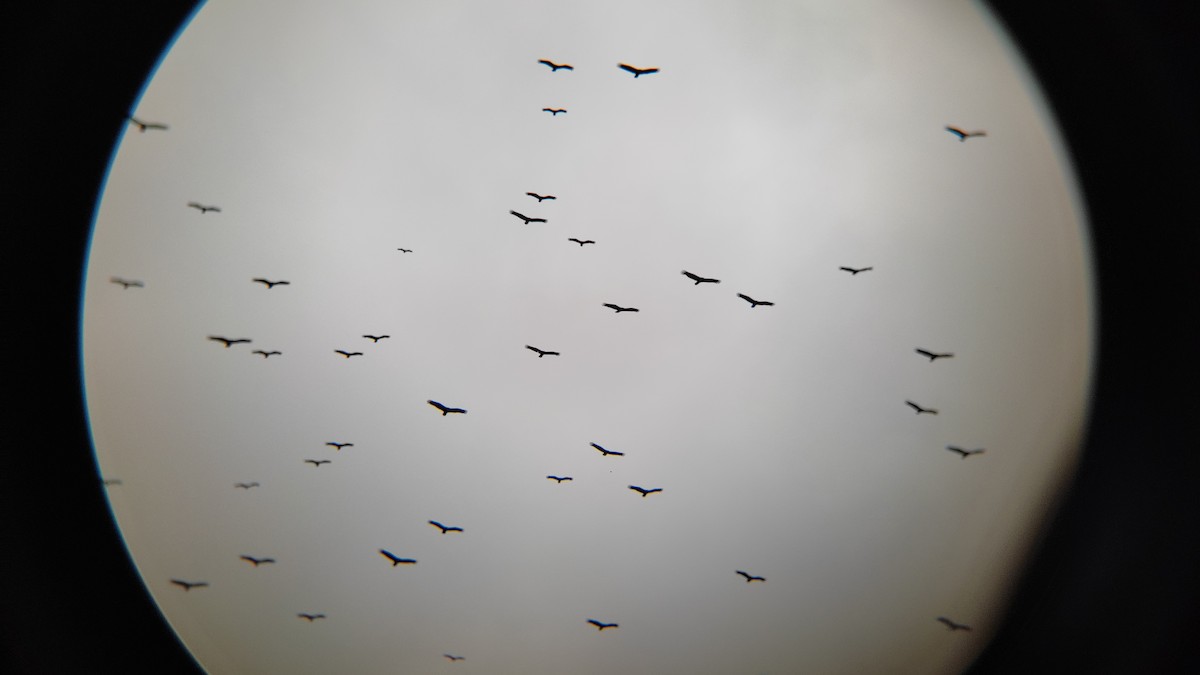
(404, 250)
(953, 625)
(554, 111)
(189, 585)
(620, 309)
(256, 561)
(919, 409)
(451, 656)
(853, 271)
(395, 560)
(310, 617)
(559, 479)
(318, 462)
(542, 352)
(445, 410)
(606, 453)
(245, 486)
(964, 135)
(204, 209)
(637, 72)
(540, 198)
(601, 625)
(527, 219)
(348, 354)
(376, 338)
(699, 279)
(111, 481)
(932, 355)
(754, 303)
(581, 242)
(555, 67)
(644, 491)
(271, 284)
(227, 341)
(267, 355)
(751, 577)
(143, 126)
(965, 453)
(339, 446)
(445, 528)
(127, 283)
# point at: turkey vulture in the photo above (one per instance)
(256, 561)
(541, 352)
(202, 208)
(348, 354)
(699, 279)
(395, 560)
(919, 409)
(933, 356)
(581, 242)
(750, 577)
(310, 617)
(853, 271)
(554, 67)
(189, 585)
(754, 303)
(339, 446)
(606, 453)
(143, 126)
(444, 409)
(227, 341)
(952, 625)
(601, 625)
(540, 198)
(245, 486)
(964, 453)
(964, 135)
(554, 111)
(267, 355)
(620, 309)
(451, 656)
(644, 491)
(318, 462)
(126, 283)
(560, 479)
(527, 219)
(445, 528)
(637, 71)
(271, 284)
(376, 338)
(404, 250)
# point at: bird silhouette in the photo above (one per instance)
(932, 355)
(127, 283)
(554, 111)
(143, 126)
(271, 284)
(376, 338)
(453, 657)
(204, 209)
(637, 72)
(853, 271)
(555, 67)
(245, 486)
(339, 446)
(527, 219)
(644, 491)
(310, 617)
(111, 481)
(750, 577)
(228, 341)
(267, 355)
(348, 354)
(581, 242)
(601, 625)
(559, 479)
(620, 309)
(318, 462)
(754, 303)
(256, 561)
(964, 135)
(953, 625)
(542, 352)
(540, 198)
(606, 453)
(965, 453)
(699, 279)
(445, 528)
(919, 409)
(395, 560)
(445, 410)
(189, 585)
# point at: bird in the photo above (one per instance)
(127, 283)
(189, 585)
(754, 303)
(644, 491)
(376, 338)
(245, 486)
(256, 561)
(964, 135)
(339, 446)
(601, 625)
(540, 198)
(853, 271)
(203, 208)
(919, 409)
(143, 126)
(227, 341)
(555, 67)
(559, 479)
(953, 625)
(527, 219)
(932, 355)
(271, 284)
(637, 72)
(699, 279)
(267, 355)
(750, 577)
(453, 657)
(395, 560)
(348, 354)
(554, 111)
(445, 528)
(620, 309)
(311, 617)
(964, 453)
(318, 462)
(445, 410)
(606, 452)
(542, 352)
(581, 242)
(404, 250)
(111, 481)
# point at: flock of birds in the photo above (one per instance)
(446, 410)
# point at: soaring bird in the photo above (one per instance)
(527, 219)
(115, 481)
(965, 453)
(227, 341)
(143, 126)
(932, 355)
(601, 625)
(964, 135)
(606, 453)
(699, 279)
(644, 491)
(754, 303)
(620, 309)
(854, 271)
(541, 352)
(245, 486)
(559, 479)
(581, 242)
(919, 409)
(126, 283)
(189, 585)
(750, 577)
(636, 71)
(397, 561)
(271, 284)
(953, 625)
(348, 354)
(445, 528)
(318, 462)
(404, 250)
(204, 209)
(376, 338)
(554, 67)
(451, 656)
(310, 617)
(339, 446)
(554, 111)
(267, 355)
(540, 198)
(445, 410)
(256, 561)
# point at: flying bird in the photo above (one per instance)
(964, 135)
(644, 491)
(143, 126)
(750, 577)
(527, 219)
(256, 561)
(620, 309)
(953, 625)
(267, 355)
(542, 352)
(445, 410)
(919, 409)
(126, 283)
(376, 338)
(227, 341)
(339, 446)
(115, 481)
(395, 560)
(637, 72)
(606, 453)
(404, 250)
(453, 657)
(601, 625)
(554, 111)
(318, 462)
(348, 354)
(540, 198)
(311, 617)
(560, 479)
(699, 279)
(245, 486)
(964, 453)
(271, 284)
(189, 585)
(581, 242)
(853, 271)
(445, 528)
(932, 355)
(555, 67)
(754, 303)
(202, 208)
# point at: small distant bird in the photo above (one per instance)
(620, 309)
(554, 111)
(527, 219)
(581, 242)
(257, 561)
(339, 446)
(754, 303)
(271, 284)
(601, 625)
(143, 126)
(853, 271)
(606, 453)
(445, 528)
(376, 338)
(453, 657)
(964, 453)
(395, 560)
(560, 479)
(348, 354)
(189, 585)
(115, 481)
(637, 72)
(267, 355)
(554, 67)
(318, 462)
(699, 279)
(644, 491)
(750, 577)
(540, 198)
(203, 208)
(245, 486)
(227, 341)
(126, 283)
(932, 355)
(964, 135)
(542, 352)
(445, 410)
(953, 625)
(919, 409)
(311, 617)
(404, 250)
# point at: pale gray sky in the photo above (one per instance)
(780, 141)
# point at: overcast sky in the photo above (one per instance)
(780, 141)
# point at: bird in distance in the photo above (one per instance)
(404, 250)
(555, 67)
(348, 354)
(445, 410)
(256, 561)
(445, 528)
(527, 219)
(189, 585)
(606, 453)
(453, 657)
(204, 209)
(376, 338)
(541, 352)
(854, 271)
(554, 111)
(318, 462)
(644, 491)
(932, 355)
(540, 198)
(919, 409)
(601, 625)
(115, 481)
(699, 279)
(143, 126)
(127, 283)
(581, 242)
(227, 341)
(339, 446)
(953, 625)
(395, 560)
(310, 617)
(965, 453)
(267, 355)
(750, 577)
(637, 72)
(245, 486)
(271, 284)
(620, 309)
(755, 303)
(559, 479)
(964, 135)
